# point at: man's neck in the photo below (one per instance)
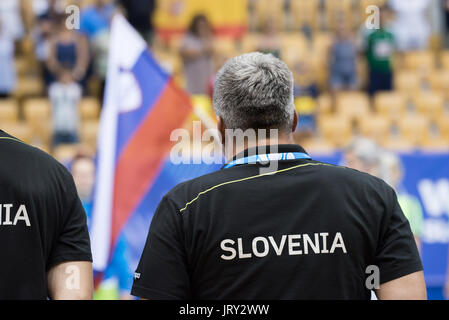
(284, 139)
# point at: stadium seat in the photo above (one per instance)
(9, 111)
(413, 128)
(376, 127)
(353, 104)
(324, 104)
(421, 61)
(430, 104)
(37, 110)
(269, 9)
(89, 108)
(337, 130)
(304, 13)
(250, 42)
(29, 87)
(407, 80)
(390, 104)
(21, 130)
(225, 46)
(338, 11)
(397, 144)
(439, 80)
(89, 131)
(317, 145)
(434, 139)
(64, 153)
(37, 113)
(293, 47)
(445, 59)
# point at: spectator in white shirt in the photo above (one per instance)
(8, 77)
(411, 25)
(65, 96)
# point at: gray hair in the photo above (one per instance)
(255, 91)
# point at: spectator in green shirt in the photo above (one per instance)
(380, 47)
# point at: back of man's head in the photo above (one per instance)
(255, 91)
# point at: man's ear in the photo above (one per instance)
(221, 128)
(295, 121)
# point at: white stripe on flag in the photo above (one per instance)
(125, 48)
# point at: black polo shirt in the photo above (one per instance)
(42, 221)
(308, 230)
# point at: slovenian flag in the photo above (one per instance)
(142, 107)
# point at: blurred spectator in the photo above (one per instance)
(269, 41)
(68, 50)
(411, 25)
(12, 20)
(362, 154)
(8, 77)
(343, 56)
(95, 24)
(97, 17)
(305, 91)
(392, 172)
(380, 47)
(41, 35)
(65, 96)
(83, 172)
(197, 52)
(139, 14)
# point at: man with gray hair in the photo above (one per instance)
(273, 223)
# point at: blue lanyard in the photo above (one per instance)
(264, 158)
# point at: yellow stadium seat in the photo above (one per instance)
(445, 59)
(37, 113)
(250, 41)
(375, 127)
(397, 144)
(413, 128)
(269, 9)
(337, 130)
(322, 41)
(89, 132)
(324, 104)
(37, 110)
(20, 130)
(89, 108)
(225, 46)
(423, 61)
(353, 104)
(337, 11)
(317, 145)
(9, 111)
(443, 126)
(390, 104)
(293, 47)
(439, 80)
(407, 80)
(29, 87)
(64, 153)
(430, 104)
(304, 13)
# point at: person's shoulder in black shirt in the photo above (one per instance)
(42, 224)
(273, 223)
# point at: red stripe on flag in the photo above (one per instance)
(141, 158)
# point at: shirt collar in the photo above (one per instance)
(281, 148)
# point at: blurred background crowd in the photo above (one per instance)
(372, 85)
